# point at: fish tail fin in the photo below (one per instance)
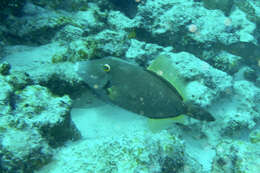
(156, 125)
(198, 112)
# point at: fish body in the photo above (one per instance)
(133, 88)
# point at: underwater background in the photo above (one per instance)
(53, 118)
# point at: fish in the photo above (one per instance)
(136, 89)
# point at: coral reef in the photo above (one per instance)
(236, 156)
(22, 150)
(210, 49)
(35, 106)
(225, 5)
(139, 152)
(29, 124)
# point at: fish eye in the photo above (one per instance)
(106, 67)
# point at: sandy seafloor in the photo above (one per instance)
(52, 122)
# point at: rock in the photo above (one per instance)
(5, 68)
(224, 5)
(125, 24)
(111, 43)
(227, 62)
(236, 156)
(49, 114)
(19, 80)
(143, 53)
(6, 95)
(137, 152)
(69, 33)
(240, 113)
(45, 65)
(167, 24)
(23, 150)
(35, 29)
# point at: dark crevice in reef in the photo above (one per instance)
(128, 7)
(35, 38)
(13, 7)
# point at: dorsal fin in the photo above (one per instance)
(166, 82)
(163, 65)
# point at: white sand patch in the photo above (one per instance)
(106, 120)
(24, 58)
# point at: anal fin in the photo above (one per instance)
(156, 125)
